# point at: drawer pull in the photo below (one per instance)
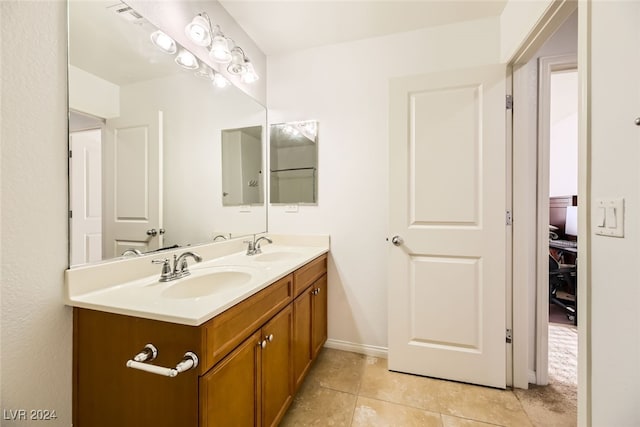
(189, 361)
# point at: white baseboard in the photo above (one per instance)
(367, 350)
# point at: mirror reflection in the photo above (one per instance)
(146, 164)
(294, 162)
(242, 166)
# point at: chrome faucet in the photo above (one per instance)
(180, 266)
(253, 247)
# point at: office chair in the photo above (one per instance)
(563, 288)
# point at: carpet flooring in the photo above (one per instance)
(556, 403)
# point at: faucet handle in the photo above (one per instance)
(251, 247)
(166, 268)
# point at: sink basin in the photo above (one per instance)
(276, 256)
(207, 284)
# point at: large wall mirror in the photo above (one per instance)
(294, 162)
(146, 137)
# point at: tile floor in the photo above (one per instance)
(349, 389)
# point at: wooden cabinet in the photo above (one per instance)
(253, 384)
(248, 354)
(309, 327)
(309, 315)
(229, 393)
(318, 315)
(276, 375)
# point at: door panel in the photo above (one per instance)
(455, 279)
(445, 152)
(85, 168)
(133, 183)
(447, 202)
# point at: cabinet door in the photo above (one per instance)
(229, 393)
(277, 374)
(319, 315)
(301, 336)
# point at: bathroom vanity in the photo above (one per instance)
(251, 356)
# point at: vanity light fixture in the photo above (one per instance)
(204, 72)
(250, 74)
(186, 60)
(163, 42)
(219, 50)
(198, 30)
(219, 80)
(238, 62)
(203, 33)
(216, 78)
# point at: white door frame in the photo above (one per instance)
(546, 66)
(524, 191)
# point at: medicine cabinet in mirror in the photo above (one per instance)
(294, 162)
(242, 166)
(147, 162)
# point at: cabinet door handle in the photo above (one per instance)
(263, 343)
(270, 337)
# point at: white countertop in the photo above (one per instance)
(149, 298)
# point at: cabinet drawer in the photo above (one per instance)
(225, 331)
(306, 275)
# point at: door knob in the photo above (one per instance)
(637, 121)
(153, 232)
(397, 240)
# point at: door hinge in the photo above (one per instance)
(509, 218)
(509, 102)
(70, 214)
(70, 154)
(509, 336)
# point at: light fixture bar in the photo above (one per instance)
(203, 33)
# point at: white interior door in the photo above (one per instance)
(85, 169)
(447, 202)
(133, 183)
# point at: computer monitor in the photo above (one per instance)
(571, 222)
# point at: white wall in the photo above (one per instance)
(193, 209)
(91, 94)
(345, 87)
(615, 272)
(516, 22)
(563, 134)
(36, 326)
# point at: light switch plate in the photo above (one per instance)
(613, 212)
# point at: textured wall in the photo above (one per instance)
(36, 326)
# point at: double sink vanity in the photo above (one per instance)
(228, 344)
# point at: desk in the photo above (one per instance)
(562, 246)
